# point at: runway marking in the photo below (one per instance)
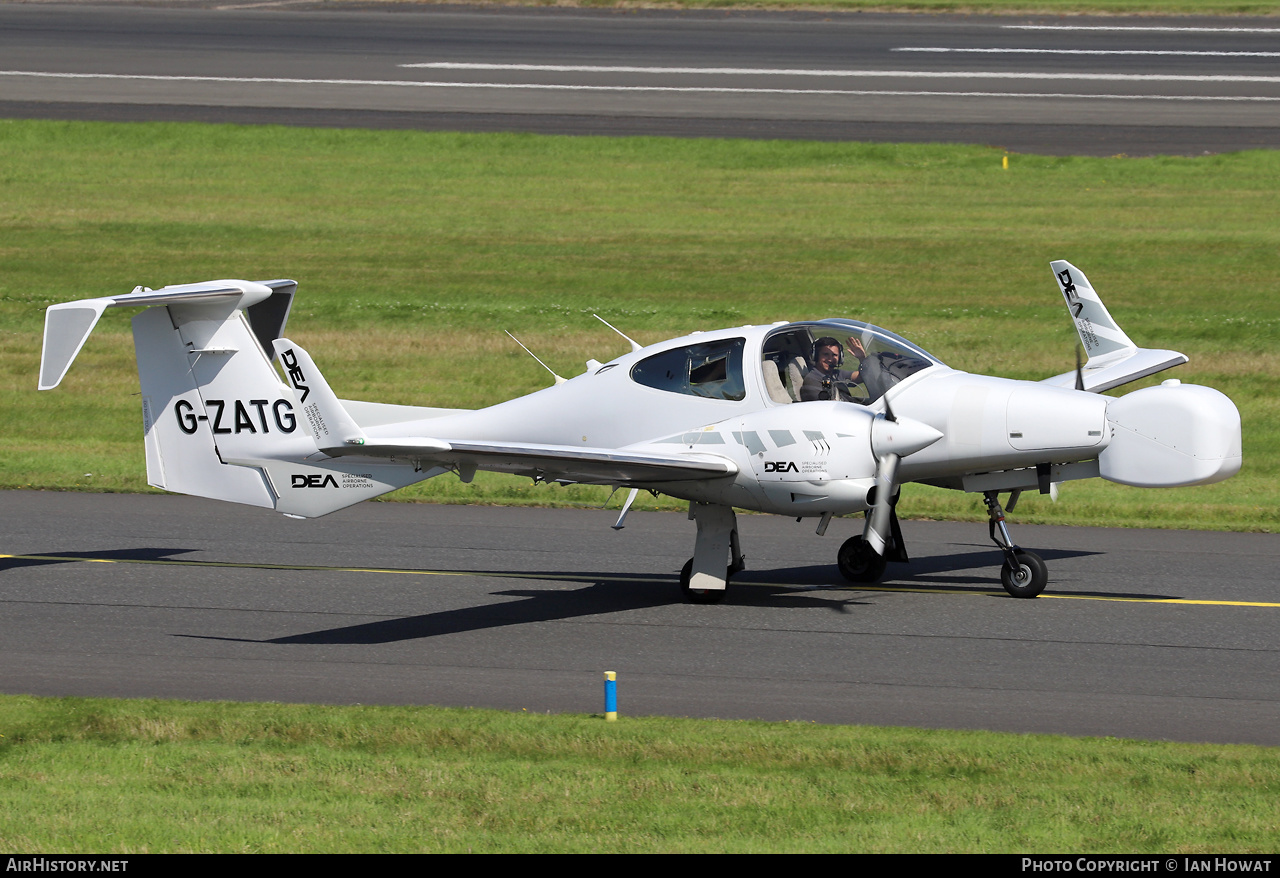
(908, 589)
(1152, 28)
(1189, 53)
(795, 71)
(1069, 597)
(249, 565)
(403, 83)
(264, 4)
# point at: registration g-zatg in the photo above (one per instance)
(237, 416)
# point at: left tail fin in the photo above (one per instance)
(218, 420)
(179, 337)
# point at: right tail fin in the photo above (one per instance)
(1113, 357)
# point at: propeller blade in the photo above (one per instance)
(876, 532)
(892, 439)
(1079, 371)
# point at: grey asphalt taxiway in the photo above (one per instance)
(1146, 634)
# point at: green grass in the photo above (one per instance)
(414, 251)
(120, 777)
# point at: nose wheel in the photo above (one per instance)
(858, 562)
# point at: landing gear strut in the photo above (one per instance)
(859, 562)
(700, 579)
(1023, 574)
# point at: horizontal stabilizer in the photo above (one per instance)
(1102, 377)
(67, 325)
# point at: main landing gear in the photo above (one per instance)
(703, 582)
(700, 579)
(1023, 575)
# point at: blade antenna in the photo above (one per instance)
(559, 380)
(634, 345)
(626, 507)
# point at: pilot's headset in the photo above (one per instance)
(826, 342)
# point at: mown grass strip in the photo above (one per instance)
(415, 250)
(116, 777)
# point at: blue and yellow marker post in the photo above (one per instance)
(610, 695)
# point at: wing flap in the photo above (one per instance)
(594, 466)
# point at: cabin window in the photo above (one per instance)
(712, 370)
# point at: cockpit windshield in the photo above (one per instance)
(837, 359)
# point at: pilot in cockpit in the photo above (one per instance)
(826, 380)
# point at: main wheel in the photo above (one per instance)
(858, 562)
(701, 595)
(1026, 580)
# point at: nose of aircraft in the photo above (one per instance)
(901, 436)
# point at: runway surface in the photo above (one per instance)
(1147, 634)
(1082, 86)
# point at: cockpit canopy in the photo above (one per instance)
(870, 360)
(867, 362)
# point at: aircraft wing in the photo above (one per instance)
(551, 463)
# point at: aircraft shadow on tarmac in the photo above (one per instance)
(599, 596)
(816, 587)
(810, 587)
(128, 556)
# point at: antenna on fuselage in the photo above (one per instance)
(635, 346)
(559, 380)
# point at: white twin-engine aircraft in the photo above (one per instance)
(812, 419)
